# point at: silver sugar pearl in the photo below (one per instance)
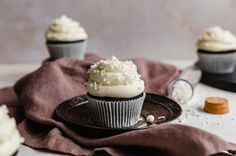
(150, 118)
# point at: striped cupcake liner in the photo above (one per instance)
(219, 63)
(72, 50)
(116, 114)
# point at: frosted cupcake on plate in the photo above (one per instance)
(115, 93)
(216, 51)
(66, 38)
(10, 139)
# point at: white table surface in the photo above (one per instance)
(221, 125)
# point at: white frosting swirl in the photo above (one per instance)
(114, 78)
(215, 39)
(10, 138)
(65, 29)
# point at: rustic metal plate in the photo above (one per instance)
(75, 111)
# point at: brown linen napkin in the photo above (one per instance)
(40, 92)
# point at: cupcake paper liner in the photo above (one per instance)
(221, 63)
(116, 114)
(72, 50)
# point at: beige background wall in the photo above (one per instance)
(156, 29)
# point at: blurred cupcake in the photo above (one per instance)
(10, 139)
(216, 51)
(115, 93)
(66, 38)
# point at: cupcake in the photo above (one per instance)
(216, 51)
(66, 38)
(10, 139)
(115, 93)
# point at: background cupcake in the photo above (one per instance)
(66, 38)
(115, 93)
(216, 51)
(10, 139)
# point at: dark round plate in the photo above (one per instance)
(76, 112)
(221, 81)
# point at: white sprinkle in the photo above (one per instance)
(104, 80)
(100, 85)
(150, 118)
(205, 123)
(95, 85)
(181, 121)
(108, 82)
(161, 118)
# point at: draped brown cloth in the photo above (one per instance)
(34, 99)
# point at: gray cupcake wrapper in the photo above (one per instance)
(217, 63)
(72, 50)
(116, 114)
